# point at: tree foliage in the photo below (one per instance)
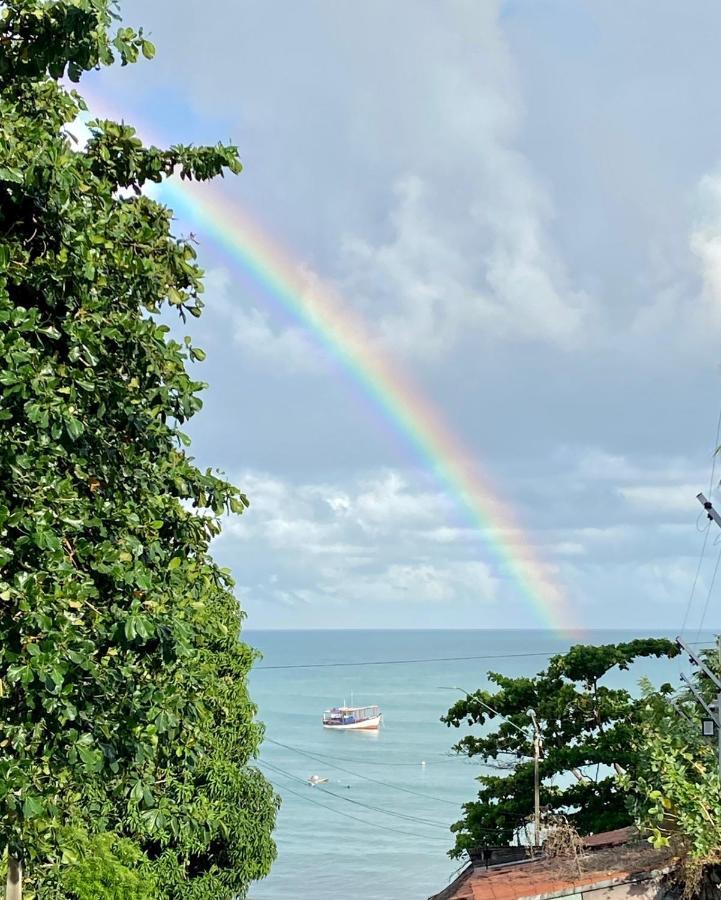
(674, 790)
(586, 729)
(123, 701)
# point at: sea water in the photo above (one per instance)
(379, 829)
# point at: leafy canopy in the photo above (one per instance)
(123, 701)
(674, 792)
(586, 729)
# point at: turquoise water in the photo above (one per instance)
(386, 838)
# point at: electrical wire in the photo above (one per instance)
(513, 819)
(386, 812)
(705, 539)
(397, 662)
(447, 758)
(395, 787)
(695, 580)
(715, 451)
(710, 591)
(340, 812)
(706, 533)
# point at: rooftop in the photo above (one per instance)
(611, 860)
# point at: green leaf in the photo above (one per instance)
(33, 807)
(14, 176)
(73, 427)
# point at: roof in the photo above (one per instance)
(613, 858)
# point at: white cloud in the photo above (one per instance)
(569, 548)
(706, 243)
(351, 549)
(418, 583)
(288, 349)
(663, 498)
(593, 464)
(467, 244)
(395, 160)
(388, 501)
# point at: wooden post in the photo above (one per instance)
(14, 889)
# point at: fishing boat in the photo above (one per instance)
(353, 718)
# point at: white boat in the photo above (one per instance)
(353, 718)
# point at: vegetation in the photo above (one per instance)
(123, 702)
(673, 791)
(586, 729)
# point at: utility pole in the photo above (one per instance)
(713, 714)
(536, 779)
(718, 705)
(14, 888)
(537, 745)
(713, 516)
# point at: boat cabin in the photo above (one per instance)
(350, 715)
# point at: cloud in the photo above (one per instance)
(706, 243)
(465, 241)
(521, 217)
(358, 546)
(594, 464)
(388, 501)
(420, 583)
(263, 343)
(663, 498)
(394, 161)
(380, 543)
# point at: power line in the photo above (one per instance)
(705, 539)
(513, 819)
(379, 809)
(516, 822)
(395, 787)
(695, 580)
(710, 591)
(340, 812)
(447, 758)
(397, 662)
(715, 451)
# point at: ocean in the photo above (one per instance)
(378, 830)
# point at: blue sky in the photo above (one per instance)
(523, 200)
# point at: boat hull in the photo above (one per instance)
(372, 724)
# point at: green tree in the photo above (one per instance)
(123, 700)
(673, 791)
(586, 729)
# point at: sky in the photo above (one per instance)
(522, 203)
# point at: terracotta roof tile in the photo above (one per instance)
(611, 859)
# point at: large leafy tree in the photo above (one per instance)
(586, 729)
(123, 701)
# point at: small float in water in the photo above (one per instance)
(317, 779)
(353, 718)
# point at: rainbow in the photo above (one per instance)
(334, 326)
